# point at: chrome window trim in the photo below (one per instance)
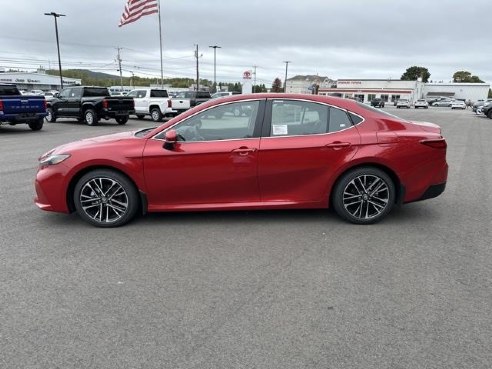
(202, 111)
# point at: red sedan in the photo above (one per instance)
(261, 151)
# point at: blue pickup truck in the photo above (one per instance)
(17, 109)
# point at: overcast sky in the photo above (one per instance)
(334, 38)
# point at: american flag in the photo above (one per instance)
(135, 9)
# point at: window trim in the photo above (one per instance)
(266, 128)
(260, 117)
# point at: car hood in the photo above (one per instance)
(106, 139)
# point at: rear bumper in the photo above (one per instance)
(433, 191)
(21, 118)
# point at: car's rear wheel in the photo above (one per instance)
(36, 125)
(90, 117)
(364, 195)
(105, 198)
(50, 117)
(156, 114)
(489, 114)
(122, 120)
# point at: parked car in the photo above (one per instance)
(377, 102)
(36, 92)
(290, 151)
(487, 109)
(157, 103)
(403, 103)
(16, 108)
(89, 104)
(458, 104)
(480, 103)
(195, 97)
(421, 103)
(445, 102)
(224, 93)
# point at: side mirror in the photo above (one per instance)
(171, 139)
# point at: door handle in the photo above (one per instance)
(243, 151)
(336, 145)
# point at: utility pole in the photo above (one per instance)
(197, 74)
(254, 78)
(215, 47)
(119, 68)
(57, 15)
(285, 81)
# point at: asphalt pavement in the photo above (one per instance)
(275, 289)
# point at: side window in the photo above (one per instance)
(224, 122)
(76, 93)
(294, 118)
(65, 94)
(141, 94)
(339, 120)
(132, 94)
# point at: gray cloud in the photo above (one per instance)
(340, 39)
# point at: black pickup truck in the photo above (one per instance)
(90, 104)
(17, 109)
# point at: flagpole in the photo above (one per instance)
(160, 42)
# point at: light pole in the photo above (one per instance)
(215, 47)
(285, 81)
(56, 15)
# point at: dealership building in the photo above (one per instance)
(36, 80)
(390, 90)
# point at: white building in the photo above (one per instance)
(461, 91)
(304, 84)
(367, 89)
(390, 90)
(36, 80)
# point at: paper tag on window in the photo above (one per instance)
(279, 129)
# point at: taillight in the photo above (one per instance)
(169, 104)
(439, 143)
(1, 105)
(105, 104)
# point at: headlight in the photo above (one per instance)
(51, 159)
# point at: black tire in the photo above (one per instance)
(489, 114)
(90, 117)
(156, 115)
(140, 116)
(121, 120)
(51, 117)
(36, 125)
(113, 208)
(354, 195)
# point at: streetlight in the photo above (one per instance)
(285, 81)
(56, 15)
(215, 47)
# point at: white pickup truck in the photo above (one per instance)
(156, 103)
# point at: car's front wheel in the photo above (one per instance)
(364, 195)
(105, 198)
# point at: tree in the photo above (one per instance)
(413, 73)
(259, 88)
(465, 76)
(277, 85)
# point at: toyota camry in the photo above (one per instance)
(250, 152)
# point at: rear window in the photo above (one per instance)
(380, 112)
(202, 95)
(96, 91)
(158, 93)
(9, 91)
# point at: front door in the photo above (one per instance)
(214, 162)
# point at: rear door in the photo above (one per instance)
(303, 143)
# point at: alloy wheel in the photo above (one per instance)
(366, 196)
(104, 200)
